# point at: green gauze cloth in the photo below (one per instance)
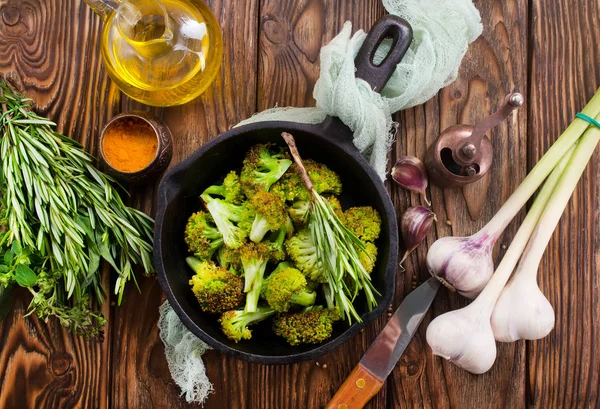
(442, 31)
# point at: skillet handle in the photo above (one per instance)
(389, 26)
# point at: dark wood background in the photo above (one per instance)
(547, 49)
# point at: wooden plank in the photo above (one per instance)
(494, 66)
(291, 35)
(140, 375)
(51, 48)
(563, 369)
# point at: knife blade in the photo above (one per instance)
(377, 363)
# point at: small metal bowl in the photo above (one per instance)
(164, 151)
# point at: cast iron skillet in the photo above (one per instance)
(329, 142)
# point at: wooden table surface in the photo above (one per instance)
(547, 49)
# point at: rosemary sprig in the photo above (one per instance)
(66, 212)
(336, 249)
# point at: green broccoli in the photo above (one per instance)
(230, 259)
(230, 190)
(368, 257)
(277, 240)
(282, 265)
(311, 326)
(270, 214)
(202, 236)
(216, 288)
(336, 206)
(299, 212)
(235, 323)
(285, 287)
(303, 253)
(262, 168)
(226, 215)
(291, 187)
(364, 222)
(254, 257)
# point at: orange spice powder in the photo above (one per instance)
(130, 145)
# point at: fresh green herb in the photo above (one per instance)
(337, 248)
(61, 216)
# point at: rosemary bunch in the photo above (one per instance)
(337, 249)
(65, 212)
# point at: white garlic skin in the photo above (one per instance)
(465, 338)
(462, 263)
(522, 311)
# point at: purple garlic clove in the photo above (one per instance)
(410, 173)
(414, 226)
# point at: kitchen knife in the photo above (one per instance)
(377, 363)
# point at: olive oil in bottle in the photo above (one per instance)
(160, 52)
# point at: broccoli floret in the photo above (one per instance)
(270, 214)
(254, 257)
(285, 287)
(299, 212)
(230, 190)
(282, 265)
(303, 253)
(230, 259)
(226, 215)
(311, 326)
(263, 166)
(235, 323)
(364, 222)
(277, 240)
(202, 236)
(336, 206)
(216, 288)
(291, 187)
(368, 257)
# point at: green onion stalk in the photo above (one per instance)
(64, 216)
(337, 250)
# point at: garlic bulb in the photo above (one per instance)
(464, 337)
(464, 264)
(522, 311)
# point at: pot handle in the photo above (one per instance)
(389, 26)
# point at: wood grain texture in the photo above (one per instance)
(545, 48)
(139, 372)
(563, 369)
(50, 49)
(291, 33)
(494, 65)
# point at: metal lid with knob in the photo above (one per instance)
(462, 154)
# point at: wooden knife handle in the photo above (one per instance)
(359, 388)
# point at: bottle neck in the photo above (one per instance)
(103, 8)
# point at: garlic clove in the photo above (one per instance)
(464, 337)
(522, 311)
(414, 226)
(410, 173)
(462, 264)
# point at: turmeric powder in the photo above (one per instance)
(130, 146)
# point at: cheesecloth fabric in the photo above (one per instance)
(442, 31)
